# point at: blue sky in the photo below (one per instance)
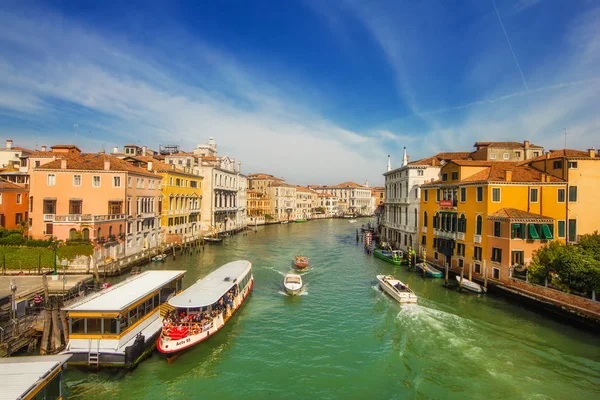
(314, 91)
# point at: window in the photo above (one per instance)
(517, 154)
(477, 253)
(435, 255)
(517, 231)
(518, 257)
(533, 195)
(76, 180)
(128, 181)
(557, 164)
(496, 195)
(536, 153)
(85, 234)
(461, 263)
(479, 225)
(460, 249)
(420, 172)
(572, 194)
(478, 268)
(96, 181)
(572, 230)
(49, 206)
(496, 255)
(30, 204)
(115, 207)
(496, 273)
(424, 240)
(425, 218)
(497, 229)
(561, 195)
(49, 229)
(425, 195)
(506, 156)
(437, 195)
(479, 194)
(116, 181)
(1, 198)
(444, 177)
(561, 229)
(75, 207)
(18, 218)
(51, 180)
(19, 198)
(462, 224)
(37, 163)
(572, 164)
(463, 194)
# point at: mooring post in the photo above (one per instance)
(446, 273)
(461, 278)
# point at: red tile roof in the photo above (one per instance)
(65, 146)
(437, 159)
(17, 148)
(554, 154)
(94, 162)
(497, 173)
(506, 145)
(4, 184)
(513, 213)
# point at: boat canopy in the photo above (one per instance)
(126, 293)
(212, 287)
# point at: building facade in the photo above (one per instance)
(352, 197)
(329, 203)
(283, 201)
(14, 205)
(306, 202)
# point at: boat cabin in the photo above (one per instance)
(36, 377)
(102, 326)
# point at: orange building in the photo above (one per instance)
(14, 204)
(258, 203)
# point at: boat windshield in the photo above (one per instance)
(293, 279)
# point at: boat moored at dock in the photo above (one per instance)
(204, 308)
(118, 326)
(470, 285)
(429, 270)
(398, 290)
(392, 256)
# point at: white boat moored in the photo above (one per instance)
(292, 284)
(395, 288)
(470, 285)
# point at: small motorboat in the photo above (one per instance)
(301, 262)
(470, 285)
(159, 258)
(210, 239)
(398, 290)
(429, 270)
(352, 221)
(284, 222)
(292, 284)
(300, 220)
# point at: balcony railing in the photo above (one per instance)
(447, 234)
(49, 217)
(477, 238)
(84, 217)
(424, 229)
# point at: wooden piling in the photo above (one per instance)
(460, 283)
(46, 333)
(485, 275)
(65, 325)
(56, 339)
(446, 273)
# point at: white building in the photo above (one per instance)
(328, 202)
(306, 202)
(402, 197)
(352, 197)
(283, 201)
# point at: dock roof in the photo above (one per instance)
(212, 287)
(22, 375)
(126, 293)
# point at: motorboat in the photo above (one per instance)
(204, 308)
(159, 258)
(292, 284)
(210, 239)
(352, 221)
(301, 220)
(398, 290)
(429, 270)
(470, 285)
(395, 257)
(284, 222)
(301, 262)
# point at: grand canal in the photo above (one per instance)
(344, 339)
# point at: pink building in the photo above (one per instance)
(96, 197)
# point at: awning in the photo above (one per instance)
(533, 234)
(547, 232)
(516, 225)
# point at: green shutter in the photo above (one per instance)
(561, 229)
(547, 232)
(533, 233)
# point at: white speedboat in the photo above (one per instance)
(470, 285)
(351, 221)
(292, 284)
(398, 290)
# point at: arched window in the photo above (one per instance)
(479, 225)
(425, 218)
(73, 234)
(453, 228)
(85, 233)
(462, 224)
(110, 231)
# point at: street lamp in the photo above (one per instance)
(13, 290)
(54, 245)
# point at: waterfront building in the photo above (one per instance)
(505, 151)
(306, 202)
(180, 207)
(261, 182)
(352, 197)
(400, 220)
(283, 201)
(13, 156)
(486, 216)
(14, 204)
(580, 169)
(96, 197)
(259, 205)
(33, 377)
(329, 203)
(379, 194)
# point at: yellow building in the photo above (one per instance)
(581, 170)
(181, 203)
(487, 216)
(258, 203)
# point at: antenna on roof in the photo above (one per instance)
(565, 138)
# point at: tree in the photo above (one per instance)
(590, 243)
(542, 264)
(320, 210)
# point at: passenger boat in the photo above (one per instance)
(204, 308)
(398, 290)
(118, 326)
(429, 270)
(292, 284)
(301, 262)
(470, 285)
(392, 256)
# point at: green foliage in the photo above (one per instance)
(320, 210)
(590, 243)
(70, 252)
(12, 239)
(268, 217)
(26, 258)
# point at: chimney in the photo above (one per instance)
(144, 149)
(149, 165)
(544, 178)
(592, 152)
(106, 165)
(115, 149)
(9, 143)
(526, 144)
(509, 175)
(239, 167)
(63, 164)
(44, 148)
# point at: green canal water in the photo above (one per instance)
(345, 339)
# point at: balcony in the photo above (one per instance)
(85, 217)
(447, 235)
(49, 217)
(477, 238)
(424, 229)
